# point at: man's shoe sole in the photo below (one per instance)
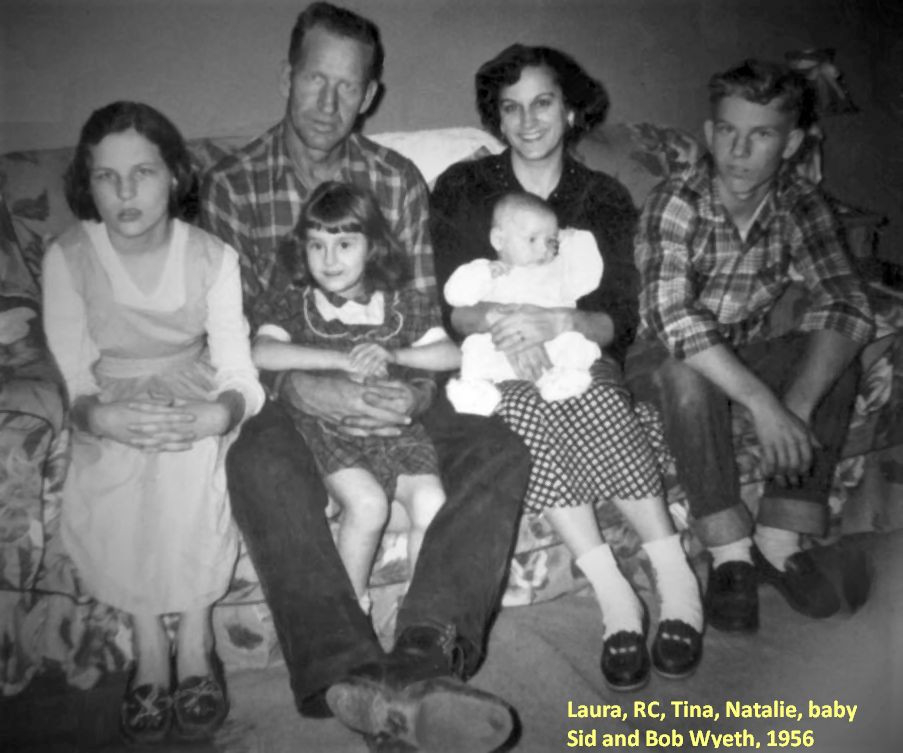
(439, 715)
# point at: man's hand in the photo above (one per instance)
(498, 269)
(377, 407)
(786, 441)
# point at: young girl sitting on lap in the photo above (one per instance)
(143, 313)
(341, 304)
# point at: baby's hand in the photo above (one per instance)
(370, 360)
(498, 269)
(566, 234)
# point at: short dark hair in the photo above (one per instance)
(345, 208)
(762, 82)
(117, 117)
(344, 23)
(583, 95)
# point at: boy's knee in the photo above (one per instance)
(682, 387)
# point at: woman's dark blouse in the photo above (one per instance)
(461, 214)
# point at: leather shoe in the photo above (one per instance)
(805, 587)
(676, 650)
(145, 714)
(732, 598)
(422, 652)
(625, 661)
(314, 706)
(437, 715)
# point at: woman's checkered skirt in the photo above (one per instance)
(585, 450)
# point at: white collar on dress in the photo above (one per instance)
(352, 312)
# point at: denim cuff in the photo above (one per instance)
(790, 514)
(725, 526)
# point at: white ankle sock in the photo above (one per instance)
(621, 608)
(736, 551)
(776, 544)
(675, 581)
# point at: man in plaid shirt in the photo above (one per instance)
(716, 247)
(252, 200)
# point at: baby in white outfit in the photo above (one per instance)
(537, 265)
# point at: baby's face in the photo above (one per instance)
(527, 237)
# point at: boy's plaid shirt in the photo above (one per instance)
(702, 284)
(252, 199)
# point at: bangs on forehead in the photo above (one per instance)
(341, 226)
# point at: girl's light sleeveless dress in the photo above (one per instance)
(150, 532)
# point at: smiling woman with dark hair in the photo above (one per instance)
(588, 448)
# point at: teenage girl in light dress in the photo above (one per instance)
(143, 313)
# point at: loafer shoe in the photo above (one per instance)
(732, 598)
(805, 587)
(438, 715)
(625, 661)
(676, 650)
(200, 704)
(145, 714)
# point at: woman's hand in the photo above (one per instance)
(529, 363)
(149, 425)
(517, 328)
(370, 360)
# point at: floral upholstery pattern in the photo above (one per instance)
(47, 619)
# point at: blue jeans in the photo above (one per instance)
(697, 423)
(278, 502)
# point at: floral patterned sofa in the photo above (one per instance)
(47, 620)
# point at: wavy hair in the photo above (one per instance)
(583, 95)
(761, 82)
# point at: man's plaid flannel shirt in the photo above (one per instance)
(252, 199)
(703, 285)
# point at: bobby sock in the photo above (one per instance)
(677, 586)
(736, 551)
(621, 609)
(776, 544)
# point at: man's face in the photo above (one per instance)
(327, 89)
(748, 142)
(524, 237)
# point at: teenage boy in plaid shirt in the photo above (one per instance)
(715, 248)
(412, 696)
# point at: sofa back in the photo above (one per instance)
(33, 208)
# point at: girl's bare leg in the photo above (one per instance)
(365, 511)
(421, 496)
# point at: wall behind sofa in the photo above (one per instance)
(213, 65)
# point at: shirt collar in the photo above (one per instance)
(338, 301)
(282, 160)
(368, 311)
(701, 182)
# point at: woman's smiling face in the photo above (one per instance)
(533, 115)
